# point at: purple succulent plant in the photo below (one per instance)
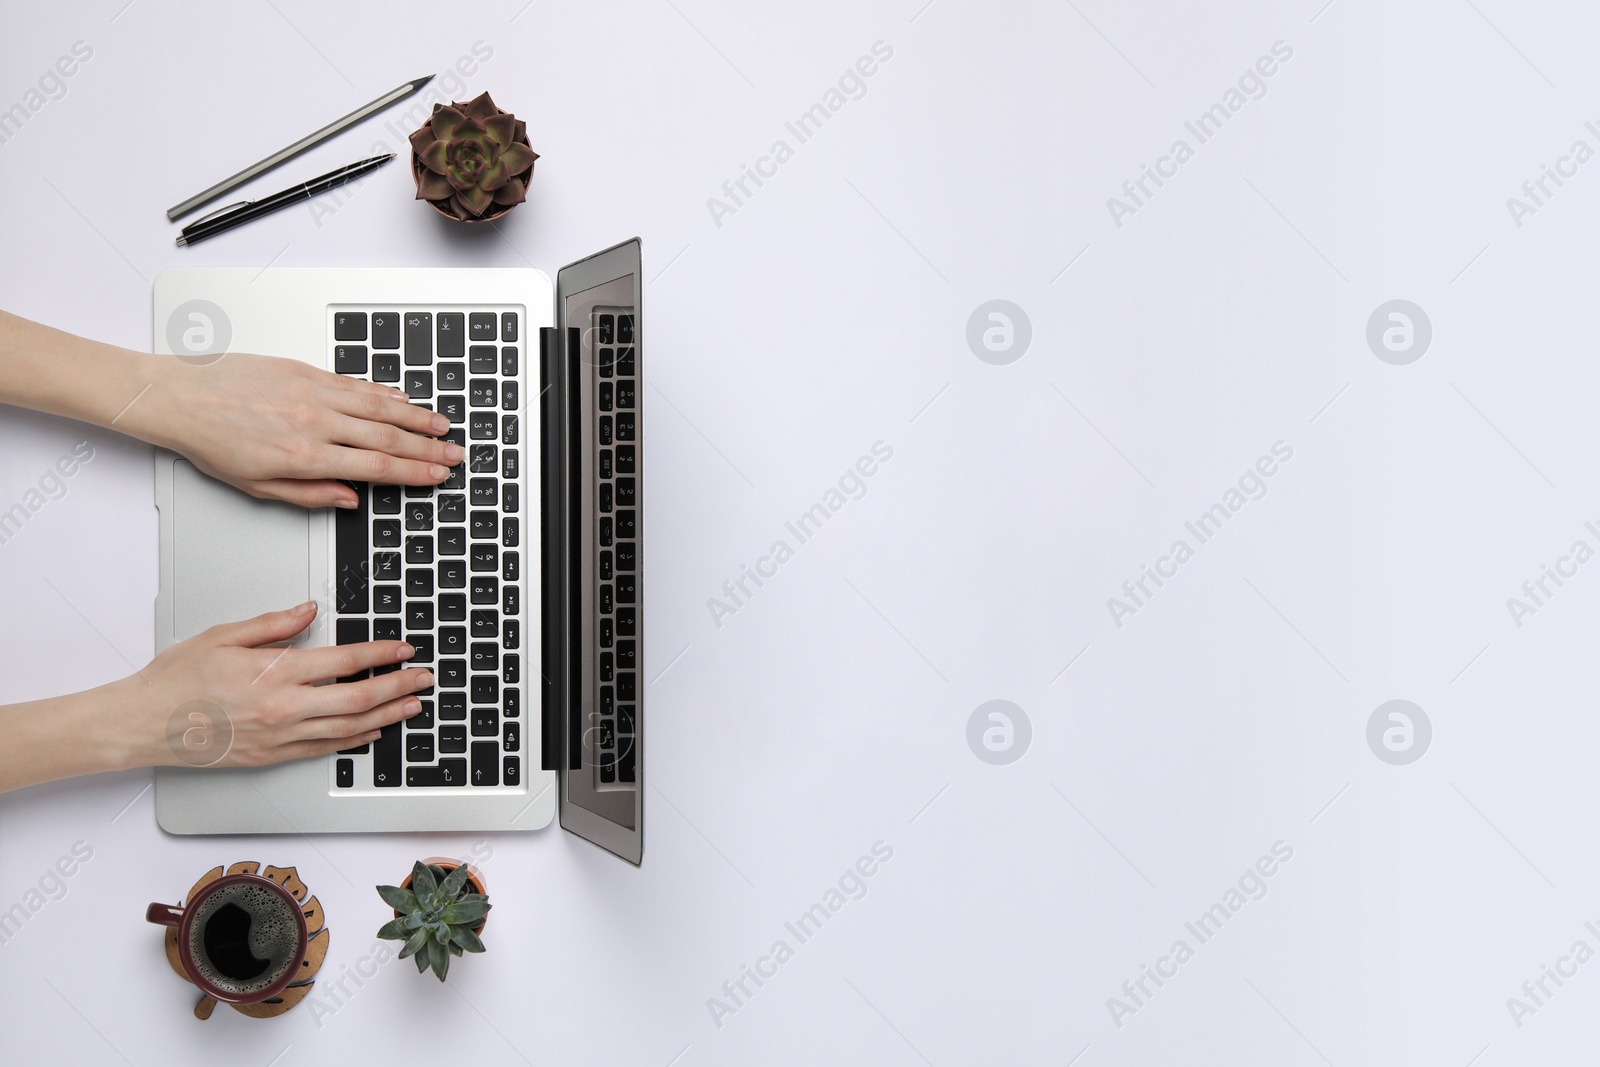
(472, 161)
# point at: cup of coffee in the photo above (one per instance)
(241, 939)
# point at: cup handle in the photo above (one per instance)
(163, 915)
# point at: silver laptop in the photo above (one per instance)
(519, 580)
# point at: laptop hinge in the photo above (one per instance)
(552, 487)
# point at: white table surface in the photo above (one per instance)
(827, 312)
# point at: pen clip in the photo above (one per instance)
(219, 211)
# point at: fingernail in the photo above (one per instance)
(406, 652)
(344, 503)
(307, 606)
(399, 394)
(424, 679)
(412, 706)
(438, 473)
(440, 424)
(455, 453)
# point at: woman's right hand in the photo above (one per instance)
(222, 690)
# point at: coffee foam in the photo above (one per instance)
(274, 936)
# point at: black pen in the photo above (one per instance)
(238, 214)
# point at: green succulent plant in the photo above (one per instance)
(438, 917)
(472, 160)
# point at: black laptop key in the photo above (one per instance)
(422, 720)
(605, 429)
(485, 763)
(386, 629)
(419, 338)
(482, 359)
(511, 669)
(606, 631)
(510, 566)
(452, 575)
(485, 656)
(452, 377)
(626, 459)
(452, 540)
(626, 680)
(625, 394)
(624, 329)
(625, 557)
(350, 359)
(346, 773)
(605, 598)
(352, 632)
(606, 532)
(483, 326)
(385, 329)
(419, 515)
(423, 643)
(627, 622)
(513, 770)
(625, 426)
(626, 364)
(452, 673)
(385, 367)
(485, 589)
(508, 429)
(624, 718)
(483, 425)
(608, 737)
(608, 770)
(386, 500)
(483, 459)
(484, 525)
(608, 666)
(452, 337)
(419, 549)
(510, 601)
(485, 689)
(452, 640)
(605, 497)
(511, 634)
(386, 758)
(350, 550)
(485, 722)
(485, 622)
(481, 394)
(508, 362)
(485, 557)
(454, 408)
(419, 748)
(448, 772)
(607, 329)
(626, 487)
(605, 396)
(510, 498)
(452, 507)
(419, 384)
(349, 325)
(607, 362)
(386, 599)
(605, 463)
(508, 326)
(452, 707)
(605, 566)
(511, 737)
(419, 582)
(627, 588)
(386, 566)
(625, 764)
(452, 606)
(627, 525)
(627, 654)
(511, 703)
(457, 479)
(509, 396)
(386, 533)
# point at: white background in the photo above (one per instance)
(828, 312)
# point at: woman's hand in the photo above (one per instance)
(282, 430)
(220, 699)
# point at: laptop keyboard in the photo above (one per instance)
(442, 567)
(617, 562)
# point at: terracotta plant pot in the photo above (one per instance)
(474, 879)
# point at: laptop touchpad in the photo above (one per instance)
(234, 556)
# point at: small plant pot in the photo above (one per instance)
(480, 140)
(474, 879)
